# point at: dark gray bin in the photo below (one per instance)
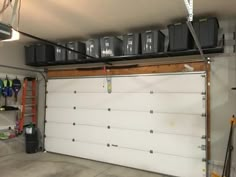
(207, 32)
(111, 46)
(180, 38)
(60, 53)
(44, 53)
(77, 46)
(30, 55)
(153, 41)
(132, 44)
(93, 48)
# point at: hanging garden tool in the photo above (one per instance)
(16, 86)
(7, 89)
(1, 87)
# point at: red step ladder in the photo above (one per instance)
(29, 103)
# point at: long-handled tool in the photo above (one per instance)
(229, 150)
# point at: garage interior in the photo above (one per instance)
(104, 88)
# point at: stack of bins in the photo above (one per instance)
(30, 55)
(132, 44)
(93, 48)
(31, 140)
(152, 42)
(180, 38)
(207, 32)
(60, 53)
(77, 46)
(44, 54)
(111, 46)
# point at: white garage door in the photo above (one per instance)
(149, 122)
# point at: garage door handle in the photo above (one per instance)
(114, 145)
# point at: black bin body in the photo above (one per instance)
(207, 32)
(132, 44)
(60, 53)
(111, 46)
(77, 46)
(31, 142)
(93, 48)
(180, 38)
(152, 41)
(45, 53)
(30, 55)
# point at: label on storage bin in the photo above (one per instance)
(29, 130)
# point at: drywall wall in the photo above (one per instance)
(223, 106)
(11, 54)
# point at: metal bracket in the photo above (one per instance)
(14, 12)
(189, 7)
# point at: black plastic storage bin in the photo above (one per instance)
(77, 46)
(31, 142)
(153, 41)
(60, 53)
(132, 44)
(180, 38)
(30, 55)
(93, 48)
(207, 32)
(44, 53)
(111, 46)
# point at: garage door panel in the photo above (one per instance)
(179, 103)
(79, 85)
(192, 125)
(162, 83)
(177, 145)
(90, 117)
(78, 132)
(156, 162)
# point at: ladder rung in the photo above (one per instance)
(27, 115)
(30, 105)
(29, 97)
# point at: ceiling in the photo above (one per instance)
(66, 19)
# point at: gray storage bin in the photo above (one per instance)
(152, 41)
(45, 53)
(93, 48)
(111, 46)
(77, 46)
(30, 55)
(60, 53)
(132, 44)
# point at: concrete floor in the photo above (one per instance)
(54, 165)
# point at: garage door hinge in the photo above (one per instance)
(108, 145)
(73, 140)
(75, 92)
(202, 147)
(108, 126)
(204, 98)
(44, 136)
(204, 159)
(151, 111)
(46, 107)
(74, 107)
(151, 151)
(45, 121)
(74, 123)
(203, 93)
(114, 145)
(151, 92)
(151, 131)
(203, 114)
(203, 75)
(203, 136)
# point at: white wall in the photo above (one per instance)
(223, 106)
(11, 54)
